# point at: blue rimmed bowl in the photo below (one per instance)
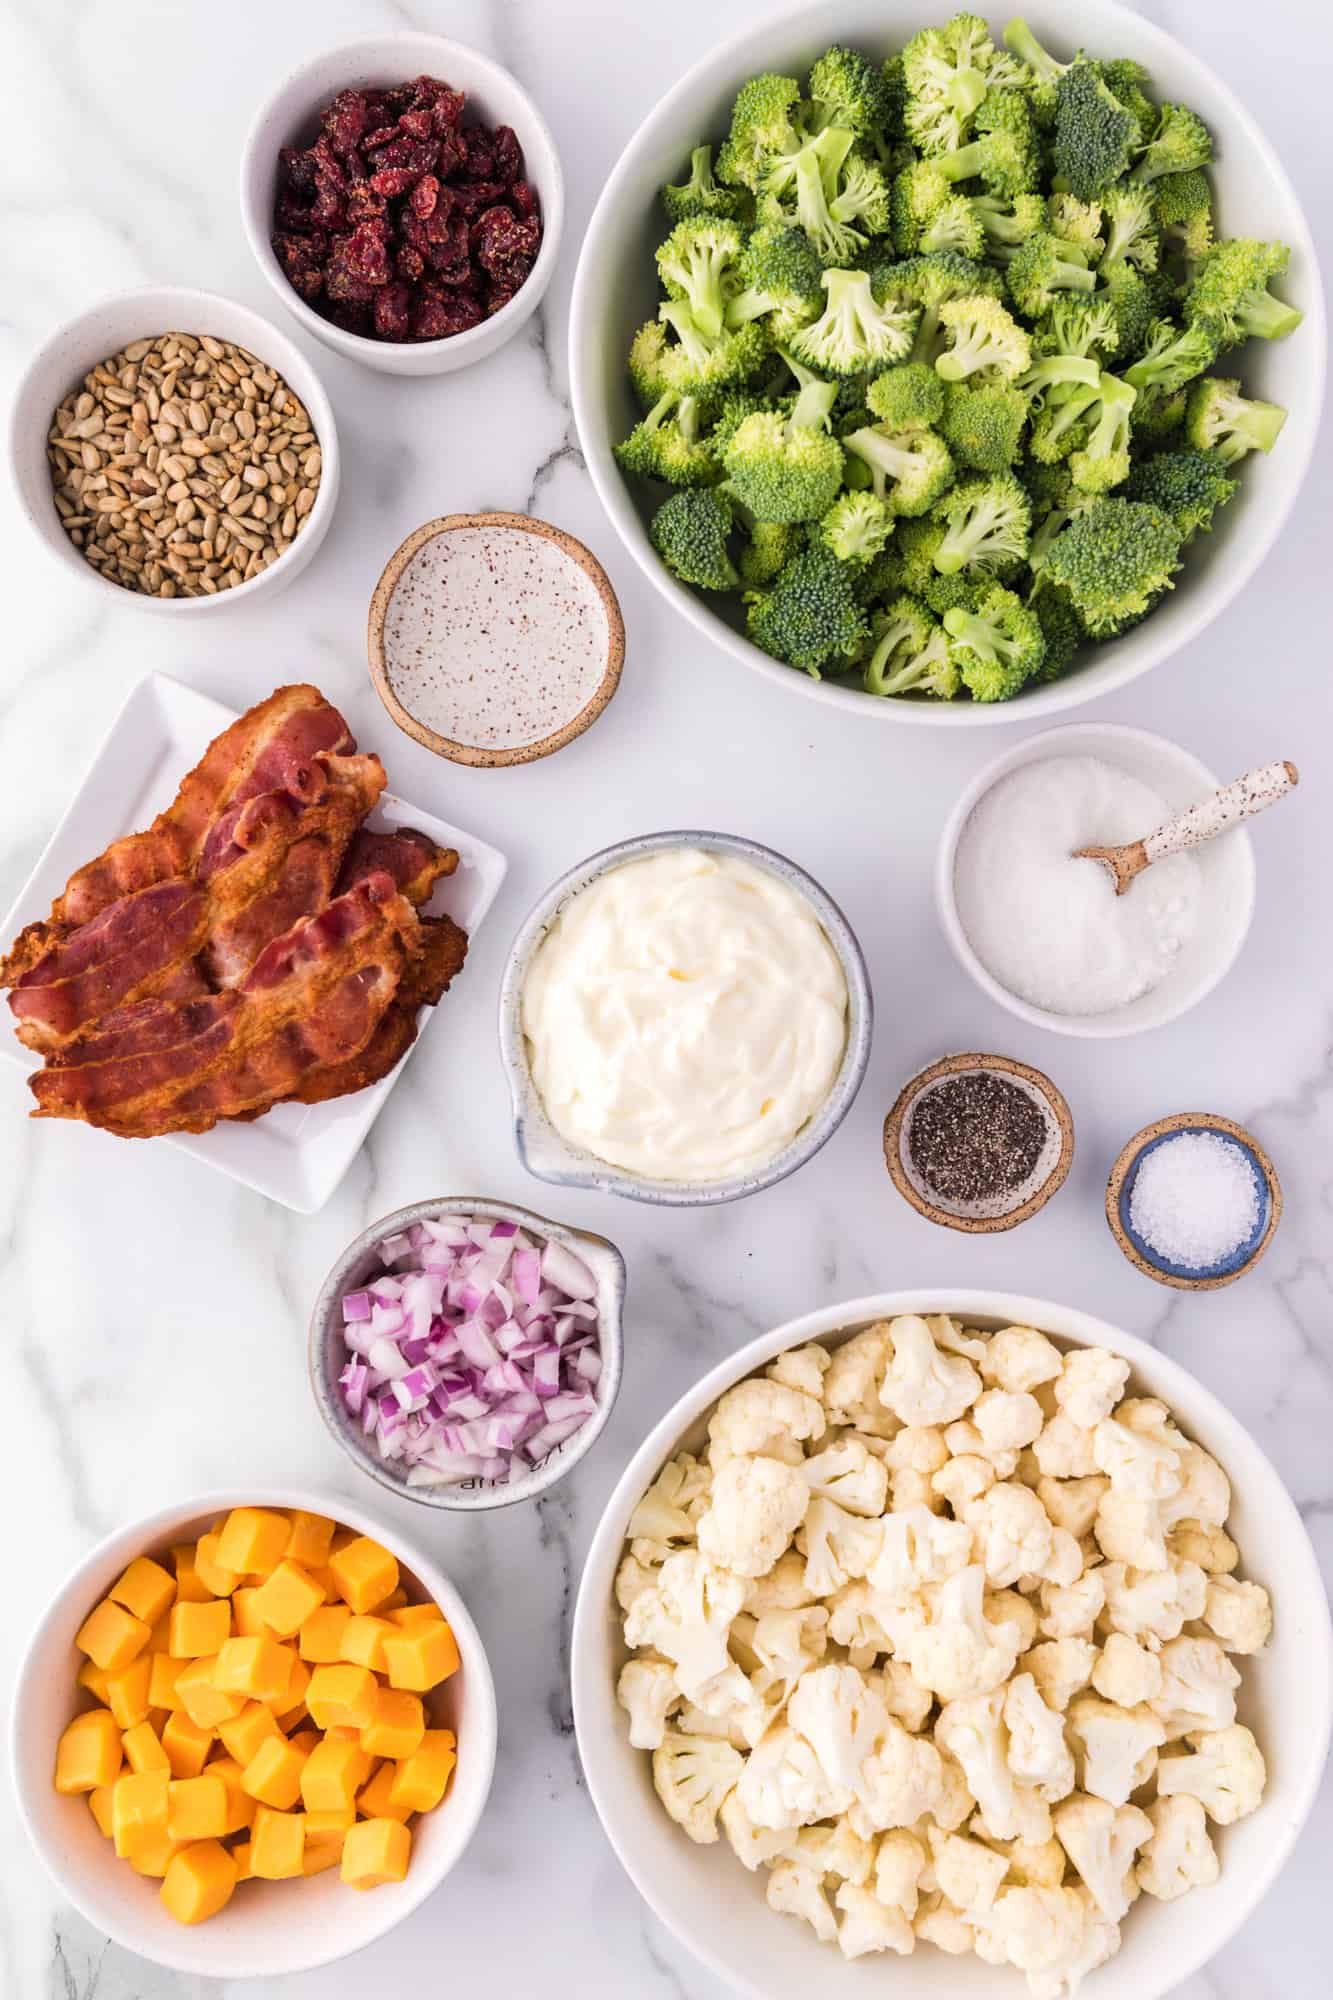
(1120, 1191)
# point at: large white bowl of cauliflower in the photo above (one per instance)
(958, 1635)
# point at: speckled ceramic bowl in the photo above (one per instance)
(551, 1158)
(328, 1353)
(1120, 1190)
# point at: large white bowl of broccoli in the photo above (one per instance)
(950, 374)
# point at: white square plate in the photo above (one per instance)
(297, 1153)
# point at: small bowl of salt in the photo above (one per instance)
(1193, 1201)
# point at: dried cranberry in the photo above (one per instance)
(478, 155)
(499, 238)
(409, 263)
(365, 203)
(344, 121)
(393, 307)
(437, 319)
(296, 170)
(392, 181)
(379, 137)
(426, 195)
(473, 197)
(446, 111)
(508, 154)
(523, 195)
(302, 259)
(329, 210)
(351, 316)
(417, 123)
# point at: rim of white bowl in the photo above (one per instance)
(146, 1531)
(1086, 1027)
(1141, 34)
(296, 370)
(355, 345)
(594, 1604)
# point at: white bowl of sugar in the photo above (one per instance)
(1045, 935)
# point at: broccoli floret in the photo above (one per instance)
(1180, 141)
(997, 647)
(701, 194)
(983, 424)
(855, 528)
(1055, 500)
(914, 544)
(1158, 415)
(1077, 327)
(1094, 132)
(855, 334)
(1131, 227)
(810, 618)
(699, 365)
(1230, 292)
(1218, 418)
(770, 545)
(987, 525)
(787, 467)
(1171, 357)
(689, 532)
(1189, 485)
(1128, 294)
(981, 334)
(1007, 224)
(838, 198)
(780, 280)
(928, 282)
(846, 89)
(1183, 206)
(667, 445)
(648, 370)
(1114, 559)
(911, 654)
(944, 87)
(1126, 79)
(698, 263)
(1042, 70)
(1054, 611)
(907, 398)
(1043, 267)
(909, 469)
(955, 225)
(1103, 462)
(1077, 222)
(765, 120)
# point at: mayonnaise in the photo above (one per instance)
(685, 1016)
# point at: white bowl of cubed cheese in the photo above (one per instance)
(702, 1892)
(268, 1927)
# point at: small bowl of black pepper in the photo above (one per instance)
(978, 1142)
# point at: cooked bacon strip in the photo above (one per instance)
(268, 749)
(411, 858)
(122, 954)
(444, 948)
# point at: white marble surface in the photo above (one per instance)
(154, 1314)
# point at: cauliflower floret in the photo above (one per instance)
(1037, 1930)
(963, 1480)
(851, 1386)
(832, 1850)
(1037, 1752)
(1152, 1604)
(1019, 1358)
(783, 1589)
(755, 1508)
(1070, 1610)
(899, 1783)
(1226, 1773)
(1179, 1856)
(723, 1726)
(1126, 1673)
(784, 1784)
(1009, 1607)
(1060, 1667)
(785, 1644)
(685, 1618)
(647, 1689)
(759, 1418)
(867, 1622)
(940, 1924)
(964, 1440)
(968, 1872)
(670, 1508)
(798, 1892)
(913, 1489)
(952, 1337)
(802, 1368)
(1240, 1614)
(1199, 1542)
(1142, 1464)
(960, 1652)
(1089, 1386)
(1102, 1840)
(1198, 1687)
(693, 1775)
(1098, 1942)
(899, 1860)
(753, 1846)
(901, 1694)
(1129, 1530)
(1116, 1747)
(917, 1448)
(869, 1925)
(1064, 1449)
(921, 1385)
(1013, 1531)
(1064, 1565)
(846, 1473)
(841, 1717)
(1035, 1864)
(1072, 1503)
(1204, 1493)
(837, 1546)
(917, 1548)
(955, 1804)
(973, 1732)
(633, 1580)
(1006, 1418)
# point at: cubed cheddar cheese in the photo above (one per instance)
(199, 1881)
(253, 1540)
(375, 1851)
(399, 1725)
(342, 1696)
(240, 1805)
(101, 1804)
(420, 1781)
(163, 1676)
(332, 1775)
(289, 1706)
(241, 1735)
(364, 1573)
(310, 1539)
(323, 1825)
(111, 1636)
(342, 1538)
(197, 1629)
(408, 1615)
(375, 1800)
(145, 1589)
(95, 1678)
(152, 1854)
(422, 1656)
(143, 1749)
(139, 1809)
(277, 1844)
(321, 1635)
(127, 1692)
(246, 1620)
(393, 1602)
(240, 1854)
(197, 1807)
(258, 1668)
(190, 1587)
(363, 1641)
(88, 1754)
(306, 1740)
(317, 1855)
(217, 1579)
(273, 1775)
(286, 1598)
(206, 1705)
(187, 1745)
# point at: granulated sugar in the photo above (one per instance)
(1194, 1200)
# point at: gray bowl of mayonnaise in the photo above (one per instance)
(685, 1018)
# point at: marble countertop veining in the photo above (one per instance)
(154, 1334)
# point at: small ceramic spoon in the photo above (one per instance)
(1253, 793)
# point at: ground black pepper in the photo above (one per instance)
(974, 1135)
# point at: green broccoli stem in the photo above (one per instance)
(815, 397)
(980, 635)
(965, 162)
(1060, 368)
(1266, 317)
(1020, 41)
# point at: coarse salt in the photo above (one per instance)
(1195, 1200)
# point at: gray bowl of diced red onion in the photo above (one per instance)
(466, 1353)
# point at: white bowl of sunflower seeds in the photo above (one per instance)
(175, 448)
